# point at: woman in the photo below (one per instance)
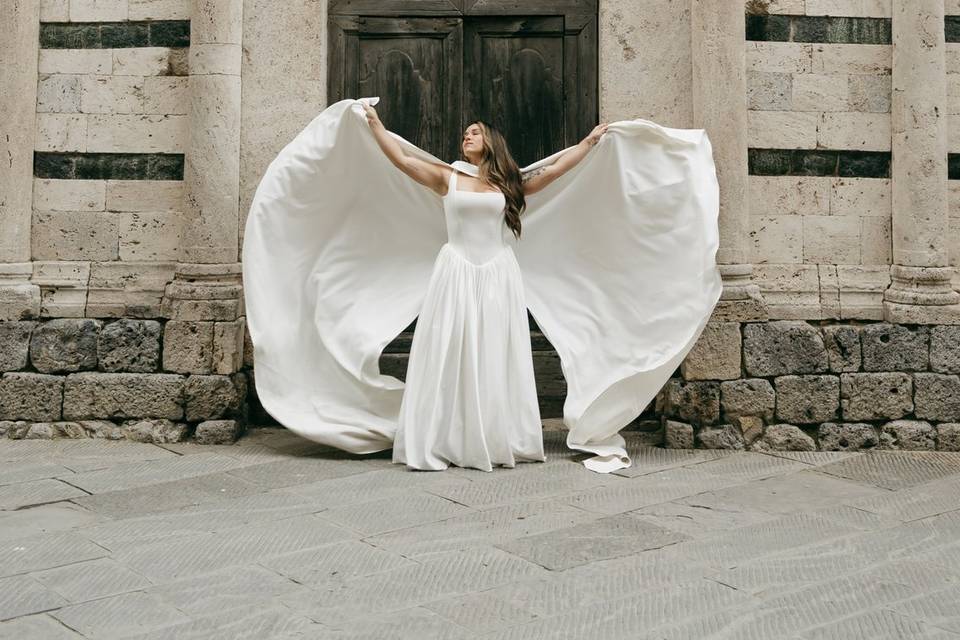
(470, 397)
(342, 250)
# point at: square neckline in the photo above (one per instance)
(452, 187)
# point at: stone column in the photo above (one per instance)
(720, 106)
(921, 291)
(19, 43)
(204, 303)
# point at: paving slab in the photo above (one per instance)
(277, 537)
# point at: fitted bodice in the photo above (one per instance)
(475, 222)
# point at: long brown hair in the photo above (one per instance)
(498, 167)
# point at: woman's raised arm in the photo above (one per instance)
(540, 178)
(429, 174)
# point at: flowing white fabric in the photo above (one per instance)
(617, 256)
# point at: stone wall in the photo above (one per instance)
(793, 385)
(87, 377)
(134, 151)
(819, 99)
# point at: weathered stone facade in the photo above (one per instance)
(135, 133)
(796, 388)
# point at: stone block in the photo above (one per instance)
(157, 430)
(936, 396)
(148, 235)
(76, 61)
(776, 239)
(782, 129)
(854, 130)
(875, 396)
(123, 395)
(751, 427)
(188, 346)
(769, 91)
(160, 9)
(218, 431)
(912, 435)
(137, 133)
(831, 239)
(129, 345)
(846, 59)
(61, 132)
(144, 195)
(820, 92)
(51, 430)
(783, 347)
(724, 436)
(785, 57)
(870, 93)
(784, 437)
(747, 397)
(98, 10)
(69, 195)
(861, 197)
(945, 348)
(847, 436)
(777, 196)
(211, 397)
(843, 347)
(16, 429)
(677, 435)
(58, 93)
(166, 94)
(65, 345)
(15, 343)
(74, 235)
(13, 429)
(102, 429)
(693, 402)
(948, 436)
(111, 94)
(30, 396)
(894, 347)
(807, 399)
(228, 345)
(715, 355)
(143, 61)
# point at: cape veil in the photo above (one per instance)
(618, 258)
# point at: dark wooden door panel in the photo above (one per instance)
(514, 77)
(413, 64)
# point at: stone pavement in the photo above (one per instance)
(276, 537)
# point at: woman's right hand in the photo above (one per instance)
(372, 116)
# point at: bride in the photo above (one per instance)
(470, 396)
(354, 232)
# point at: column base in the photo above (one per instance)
(921, 295)
(740, 299)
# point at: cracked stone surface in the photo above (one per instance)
(274, 536)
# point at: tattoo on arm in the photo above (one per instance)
(531, 174)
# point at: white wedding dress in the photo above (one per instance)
(471, 396)
(342, 251)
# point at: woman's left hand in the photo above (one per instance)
(594, 136)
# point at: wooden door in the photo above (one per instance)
(438, 65)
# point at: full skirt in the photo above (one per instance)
(470, 396)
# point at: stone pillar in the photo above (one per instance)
(720, 106)
(920, 291)
(19, 43)
(204, 303)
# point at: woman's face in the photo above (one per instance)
(472, 141)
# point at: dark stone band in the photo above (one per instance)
(108, 166)
(114, 35)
